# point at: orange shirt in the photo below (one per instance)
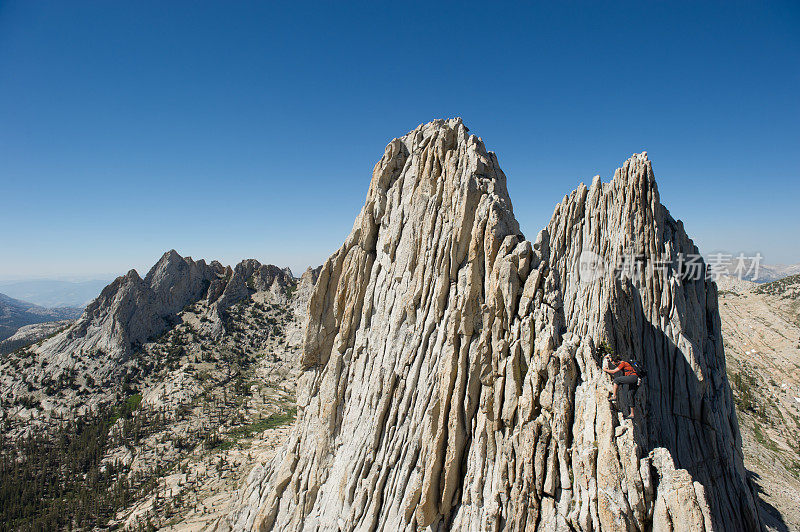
(626, 368)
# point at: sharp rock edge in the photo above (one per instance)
(451, 377)
(131, 311)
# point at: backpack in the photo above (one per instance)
(640, 371)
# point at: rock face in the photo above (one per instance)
(766, 273)
(248, 276)
(130, 310)
(761, 329)
(102, 352)
(451, 376)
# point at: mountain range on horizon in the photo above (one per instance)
(15, 314)
(59, 293)
(54, 293)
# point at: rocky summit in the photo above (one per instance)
(451, 370)
(135, 332)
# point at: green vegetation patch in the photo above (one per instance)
(274, 421)
(779, 287)
(60, 481)
(764, 440)
(222, 443)
(290, 290)
(745, 394)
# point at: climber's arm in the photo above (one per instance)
(612, 371)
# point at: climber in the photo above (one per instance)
(628, 377)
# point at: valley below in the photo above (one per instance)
(761, 331)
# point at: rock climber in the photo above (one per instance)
(627, 376)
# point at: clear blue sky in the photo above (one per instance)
(242, 129)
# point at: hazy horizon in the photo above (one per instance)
(142, 269)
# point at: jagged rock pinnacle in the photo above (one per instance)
(451, 372)
(132, 311)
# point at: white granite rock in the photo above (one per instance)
(451, 376)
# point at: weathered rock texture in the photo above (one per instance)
(451, 377)
(761, 330)
(132, 310)
(102, 351)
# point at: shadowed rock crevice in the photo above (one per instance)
(451, 376)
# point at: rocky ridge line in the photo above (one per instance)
(100, 354)
(451, 373)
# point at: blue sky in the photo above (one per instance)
(230, 130)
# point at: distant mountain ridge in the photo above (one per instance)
(765, 273)
(774, 272)
(15, 314)
(30, 334)
(53, 293)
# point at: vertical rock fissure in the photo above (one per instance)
(472, 371)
